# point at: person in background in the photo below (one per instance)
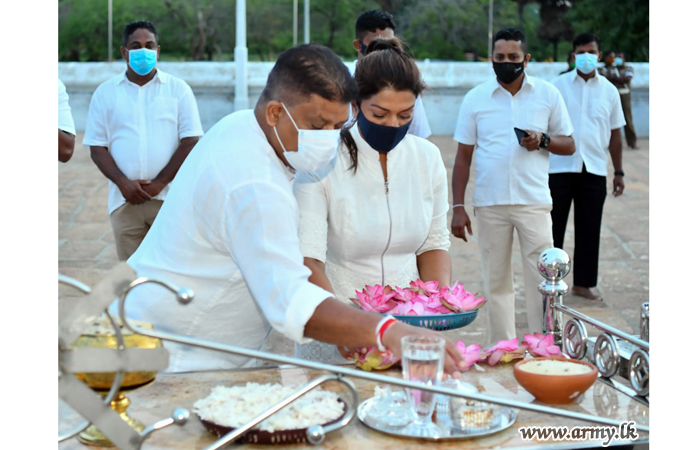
(66, 127)
(621, 75)
(511, 190)
(141, 126)
(571, 61)
(375, 23)
(594, 106)
(228, 229)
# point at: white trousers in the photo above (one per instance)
(495, 225)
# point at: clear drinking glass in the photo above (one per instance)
(422, 361)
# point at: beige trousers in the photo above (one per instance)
(495, 225)
(130, 223)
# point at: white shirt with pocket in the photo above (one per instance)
(227, 230)
(595, 110)
(506, 172)
(141, 126)
(369, 232)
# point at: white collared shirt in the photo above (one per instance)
(364, 232)
(228, 231)
(595, 110)
(141, 126)
(419, 124)
(506, 172)
(65, 119)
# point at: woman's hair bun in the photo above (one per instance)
(382, 43)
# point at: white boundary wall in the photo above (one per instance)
(214, 84)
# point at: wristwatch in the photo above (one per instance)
(544, 142)
(619, 172)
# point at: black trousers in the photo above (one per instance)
(587, 192)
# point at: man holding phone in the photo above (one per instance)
(511, 190)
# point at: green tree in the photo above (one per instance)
(621, 25)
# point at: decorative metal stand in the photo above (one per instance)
(92, 407)
(614, 352)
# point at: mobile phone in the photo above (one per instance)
(521, 134)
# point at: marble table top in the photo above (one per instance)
(170, 391)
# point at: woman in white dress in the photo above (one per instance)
(377, 214)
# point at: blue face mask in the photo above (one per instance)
(586, 62)
(381, 137)
(143, 60)
(363, 48)
(618, 61)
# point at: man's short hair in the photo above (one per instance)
(608, 53)
(511, 34)
(585, 38)
(133, 26)
(309, 69)
(370, 21)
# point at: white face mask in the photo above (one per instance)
(315, 148)
(586, 62)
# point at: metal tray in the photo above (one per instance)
(505, 418)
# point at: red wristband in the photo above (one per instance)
(381, 329)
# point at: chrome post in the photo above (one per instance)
(554, 264)
(644, 323)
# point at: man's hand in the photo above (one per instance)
(152, 187)
(532, 141)
(618, 185)
(133, 192)
(454, 362)
(460, 220)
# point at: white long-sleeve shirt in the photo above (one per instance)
(227, 230)
(366, 232)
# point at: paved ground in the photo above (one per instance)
(86, 244)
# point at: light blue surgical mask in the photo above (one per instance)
(586, 62)
(143, 60)
(618, 61)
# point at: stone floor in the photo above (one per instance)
(86, 244)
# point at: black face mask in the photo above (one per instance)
(382, 138)
(507, 72)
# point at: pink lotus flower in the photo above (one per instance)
(430, 287)
(375, 299)
(404, 295)
(541, 345)
(505, 351)
(432, 304)
(373, 359)
(471, 354)
(409, 308)
(457, 299)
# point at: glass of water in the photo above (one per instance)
(422, 361)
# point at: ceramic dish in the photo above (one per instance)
(555, 389)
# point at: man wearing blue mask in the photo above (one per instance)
(377, 23)
(141, 126)
(594, 106)
(511, 191)
(229, 227)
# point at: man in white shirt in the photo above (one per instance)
(66, 127)
(511, 190)
(229, 227)
(594, 106)
(141, 126)
(368, 26)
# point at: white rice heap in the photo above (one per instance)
(555, 367)
(236, 405)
